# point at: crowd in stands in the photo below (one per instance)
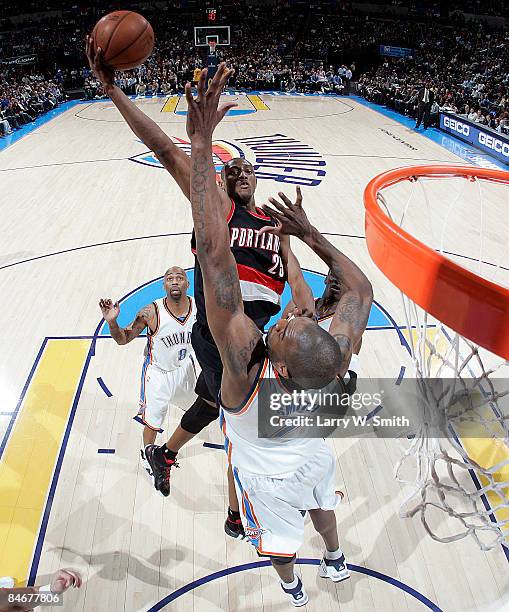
(24, 98)
(286, 46)
(469, 73)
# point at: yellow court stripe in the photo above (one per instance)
(486, 452)
(27, 466)
(257, 102)
(171, 104)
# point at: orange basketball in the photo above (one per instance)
(125, 37)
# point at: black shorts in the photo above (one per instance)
(208, 384)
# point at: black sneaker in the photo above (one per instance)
(234, 528)
(161, 468)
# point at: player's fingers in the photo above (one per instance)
(278, 205)
(272, 213)
(268, 229)
(225, 108)
(286, 200)
(298, 201)
(189, 96)
(227, 73)
(201, 84)
(74, 577)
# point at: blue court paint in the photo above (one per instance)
(153, 290)
(401, 375)
(104, 387)
(454, 145)
(374, 412)
(212, 445)
(256, 564)
(106, 451)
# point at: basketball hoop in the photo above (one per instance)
(456, 310)
(212, 46)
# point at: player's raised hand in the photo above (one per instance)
(290, 217)
(63, 579)
(203, 113)
(95, 59)
(110, 310)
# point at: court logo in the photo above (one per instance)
(222, 152)
(278, 158)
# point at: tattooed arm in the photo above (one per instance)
(146, 317)
(174, 160)
(352, 311)
(236, 336)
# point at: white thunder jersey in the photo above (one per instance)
(274, 457)
(170, 343)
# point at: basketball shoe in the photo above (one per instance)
(146, 465)
(296, 594)
(161, 464)
(335, 569)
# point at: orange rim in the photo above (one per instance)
(467, 303)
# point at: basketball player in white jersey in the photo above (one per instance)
(169, 368)
(277, 478)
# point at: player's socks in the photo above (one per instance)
(333, 566)
(233, 525)
(296, 592)
(161, 463)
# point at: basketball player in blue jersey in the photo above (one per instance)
(277, 478)
(262, 267)
(169, 371)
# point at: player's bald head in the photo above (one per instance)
(175, 270)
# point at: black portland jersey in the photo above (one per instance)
(259, 264)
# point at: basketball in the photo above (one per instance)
(125, 37)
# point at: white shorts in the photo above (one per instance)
(272, 509)
(160, 388)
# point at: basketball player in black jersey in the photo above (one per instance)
(297, 350)
(262, 267)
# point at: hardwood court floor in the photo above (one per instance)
(86, 213)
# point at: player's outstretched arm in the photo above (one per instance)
(146, 317)
(235, 334)
(174, 160)
(352, 311)
(171, 157)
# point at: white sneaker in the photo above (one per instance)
(6, 582)
(297, 595)
(335, 569)
(146, 465)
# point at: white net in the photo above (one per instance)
(457, 464)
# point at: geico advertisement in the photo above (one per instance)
(486, 140)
